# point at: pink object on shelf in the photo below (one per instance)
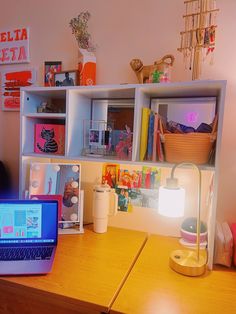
(57, 197)
(49, 139)
(192, 237)
(223, 248)
(233, 230)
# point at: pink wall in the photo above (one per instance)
(122, 30)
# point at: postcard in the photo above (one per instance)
(124, 199)
(110, 174)
(151, 177)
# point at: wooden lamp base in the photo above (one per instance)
(186, 263)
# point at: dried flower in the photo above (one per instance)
(79, 27)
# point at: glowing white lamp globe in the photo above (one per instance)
(171, 201)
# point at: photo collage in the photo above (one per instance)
(133, 187)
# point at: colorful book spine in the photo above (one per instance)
(150, 136)
(160, 154)
(144, 133)
(154, 150)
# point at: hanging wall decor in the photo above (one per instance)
(14, 46)
(11, 82)
(198, 37)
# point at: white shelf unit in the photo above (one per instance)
(91, 102)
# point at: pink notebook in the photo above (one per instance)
(233, 230)
(56, 197)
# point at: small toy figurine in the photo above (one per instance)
(156, 76)
(143, 71)
(42, 107)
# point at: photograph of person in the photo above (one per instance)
(68, 81)
(94, 137)
(50, 68)
(66, 78)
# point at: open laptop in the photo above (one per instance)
(28, 236)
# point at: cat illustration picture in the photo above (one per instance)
(50, 145)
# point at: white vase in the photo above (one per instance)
(87, 67)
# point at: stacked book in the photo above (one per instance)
(150, 141)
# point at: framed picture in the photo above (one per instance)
(66, 78)
(50, 68)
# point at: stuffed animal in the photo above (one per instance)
(143, 72)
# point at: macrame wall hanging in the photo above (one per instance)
(198, 38)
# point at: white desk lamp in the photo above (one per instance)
(171, 204)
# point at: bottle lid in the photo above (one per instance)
(102, 188)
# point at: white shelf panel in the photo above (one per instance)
(33, 98)
(184, 89)
(46, 115)
(44, 156)
(103, 159)
(105, 92)
(55, 92)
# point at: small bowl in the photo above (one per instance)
(192, 237)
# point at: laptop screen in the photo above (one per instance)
(28, 222)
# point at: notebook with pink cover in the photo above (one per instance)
(233, 230)
(56, 197)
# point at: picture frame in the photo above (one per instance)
(50, 68)
(66, 78)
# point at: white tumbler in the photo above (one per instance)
(105, 203)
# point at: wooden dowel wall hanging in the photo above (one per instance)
(197, 41)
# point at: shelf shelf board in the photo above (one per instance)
(44, 155)
(45, 115)
(103, 159)
(206, 88)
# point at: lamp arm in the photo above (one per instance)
(199, 199)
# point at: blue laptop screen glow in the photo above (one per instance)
(28, 222)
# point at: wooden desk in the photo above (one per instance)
(88, 272)
(153, 288)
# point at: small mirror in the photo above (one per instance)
(48, 179)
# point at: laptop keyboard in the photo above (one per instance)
(26, 253)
